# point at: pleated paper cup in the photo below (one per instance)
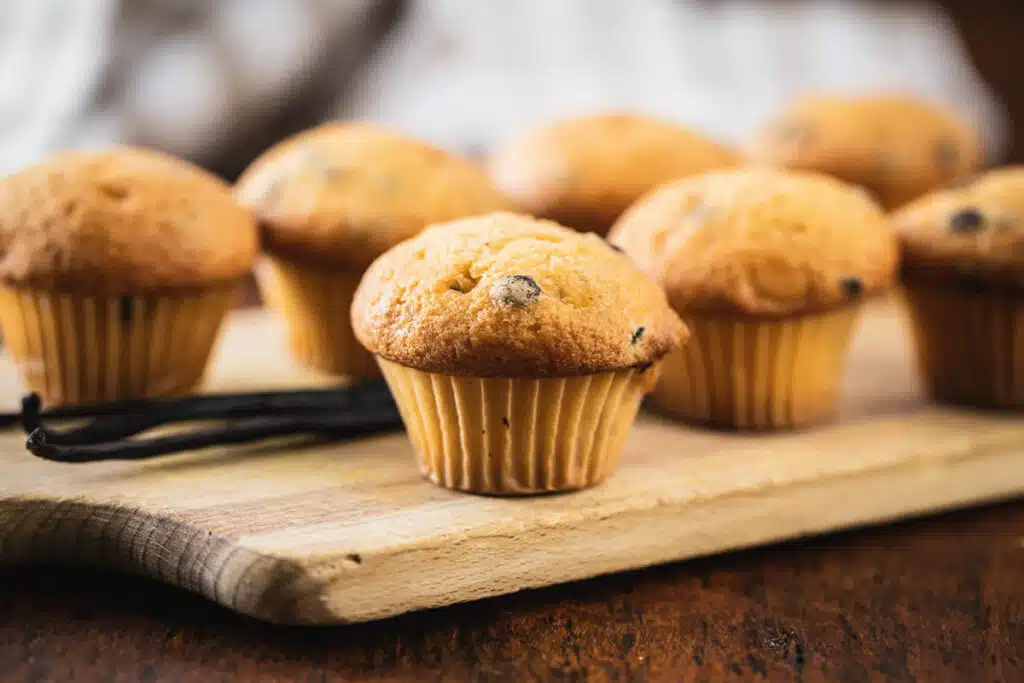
(969, 344)
(758, 373)
(315, 304)
(74, 348)
(513, 436)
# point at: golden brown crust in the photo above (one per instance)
(584, 172)
(509, 296)
(344, 193)
(760, 242)
(897, 147)
(121, 220)
(972, 233)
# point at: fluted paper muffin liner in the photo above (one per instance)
(758, 373)
(75, 348)
(515, 436)
(969, 344)
(315, 304)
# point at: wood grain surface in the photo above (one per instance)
(937, 601)
(344, 533)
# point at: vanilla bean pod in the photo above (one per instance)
(350, 424)
(141, 415)
(255, 402)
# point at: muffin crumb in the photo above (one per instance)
(518, 291)
(463, 283)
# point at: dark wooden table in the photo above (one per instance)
(933, 600)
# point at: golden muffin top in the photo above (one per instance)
(974, 231)
(342, 194)
(760, 241)
(897, 147)
(584, 172)
(505, 295)
(119, 221)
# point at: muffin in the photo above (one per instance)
(768, 268)
(897, 147)
(331, 200)
(963, 276)
(117, 268)
(584, 172)
(517, 350)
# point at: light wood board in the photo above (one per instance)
(346, 533)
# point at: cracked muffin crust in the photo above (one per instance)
(585, 172)
(896, 146)
(507, 295)
(974, 232)
(760, 242)
(119, 221)
(342, 194)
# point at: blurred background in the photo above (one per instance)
(217, 81)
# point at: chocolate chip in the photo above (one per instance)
(504, 421)
(643, 367)
(947, 155)
(638, 334)
(616, 247)
(518, 291)
(126, 309)
(852, 286)
(967, 219)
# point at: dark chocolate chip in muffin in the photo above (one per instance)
(638, 334)
(126, 309)
(947, 155)
(967, 219)
(643, 367)
(616, 247)
(518, 291)
(852, 286)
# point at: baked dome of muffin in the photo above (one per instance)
(760, 242)
(505, 295)
(343, 193)
(896, 146)
(973, 232)
(584, 172)
(121, 220)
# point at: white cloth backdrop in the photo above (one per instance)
(186, 75)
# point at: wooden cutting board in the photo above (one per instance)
(346, 533)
